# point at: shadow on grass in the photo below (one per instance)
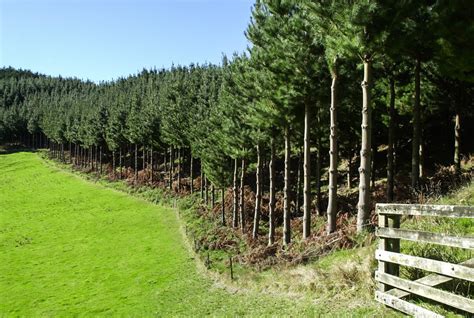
(14, 148)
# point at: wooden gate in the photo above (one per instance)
(391, 288)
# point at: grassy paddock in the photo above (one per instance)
(72, 247)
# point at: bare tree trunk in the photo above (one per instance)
(213, 196)
(152, 165)
(96, 163)
(242, 196)
(365, 155)
(171, 168)
(349, 171)
(62, 153)
(191, 174)
(374, 154)
(307, 174)
(235, 218)
(120, 162)
(179, 169)
(223, 206)
(75, 154)
(271, 210)
(100, 160)
(206, 193)
(113, 164)
(286, 190)
(298, 183)
(144, 162)
(333, 160)
(165, 163)
(421, 167)
(258, 194)
(136, 164)
(415, 154)
(457, 141)
(202, 183)
(391, 138)
(318, 166)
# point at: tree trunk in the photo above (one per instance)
(258, 194)
(171, 168)
(113, 164)
(179, 169)
(421, 167)
(120, 162)
(415, 153)
(363, 206)
(165, 159)
(62, 153)
(349, 171)
(235, 206)
(144, 161)
(242, 196)
(286, 190)
(213, 196)
(100, 160)
(457, 142)
(202, 183)
(223, 206)
(307, 173)
(298, 183)
(271, 208)
(191, 174)
(391, 138)
(206, 191)
(136, 164)
(333, 158)
(374, 154)
(318, 167)
(152, 165)
(96, 158)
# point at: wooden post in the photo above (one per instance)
(391, 245)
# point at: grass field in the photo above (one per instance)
(73, 247)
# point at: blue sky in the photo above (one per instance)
(106, 39)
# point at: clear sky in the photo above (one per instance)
(106, 39)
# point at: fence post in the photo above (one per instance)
(391, 245)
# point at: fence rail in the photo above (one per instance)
(392, 288)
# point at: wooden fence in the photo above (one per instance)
(391, 288)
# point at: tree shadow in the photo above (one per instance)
(15, 148)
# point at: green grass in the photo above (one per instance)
(72, 247)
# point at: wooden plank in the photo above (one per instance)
(452, 211)
(383, 222)
(405, 306)
(427, 237)
(443, 268)
(432, 280)
(438, 295)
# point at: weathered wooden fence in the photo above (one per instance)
(392, 288)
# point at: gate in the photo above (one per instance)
(392, 288)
